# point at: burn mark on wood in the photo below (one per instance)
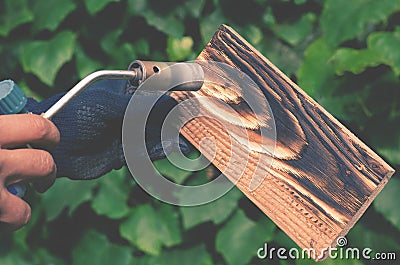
(322, 177)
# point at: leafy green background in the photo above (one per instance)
(345, 54)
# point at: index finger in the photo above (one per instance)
(20, 129)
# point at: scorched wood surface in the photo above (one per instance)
(322, 177)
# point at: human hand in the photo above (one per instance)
(90, 127)
(24, 164)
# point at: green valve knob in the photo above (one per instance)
(12, 99)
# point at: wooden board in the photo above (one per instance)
(322, 178)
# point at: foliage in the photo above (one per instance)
(345, 54)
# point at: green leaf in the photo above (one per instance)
(137, 7)
(119, 53)
(149, 229)
(112, 196)
(382, 49)
(195, 7)
(169, 170)
(294, 33)
(94, 248)
(66, 193)
(283, 56)
(316, 75)
(329, 261)
(29, 92)
(45, 58)
(216, 211)
(12, 258)
(342, 106)
(361, 237)
(343, 20)
(167, 24)
(16, 12)
(210, 24)
(391, 153)
(194, 256)
(109, 43)
(300, 2)
(50, 20)
(240, 238)
(44, 256)
(84, 64)
(179, 49)
(387, 44)
(268, 17)
(142, 47)
(387, 202)
(94, 6)
(253, 34)
(21, 235)
(355, 61)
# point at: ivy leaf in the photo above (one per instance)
(94, 248)
(13, 257)
(142, 47)
(66, 193)
(391, 153)
(137, 7)
(169, 170)
(167, 22)
(181, 256)
(294, 33)
(268, 17)
(240, 238)
(361, 237)
(179, 49)
(253, 34)
(210, 24)
(216, 211)
(355, 61)
(149, 229)
(119, 52)
(84, 64)
(124, 55)
(387, 44)
(282, 55)
(45, 58)
(21, 235)
(195, 7)
(94, 6)
(382, 49)
(112, 196)
(344, 20)
(29, 92)
(16, 12)
(43, 256)
(329, 261)
(387, 202)
(316, 75)
(50, 20)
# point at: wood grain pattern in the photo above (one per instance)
(322, 177)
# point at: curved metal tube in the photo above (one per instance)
(84, 83)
